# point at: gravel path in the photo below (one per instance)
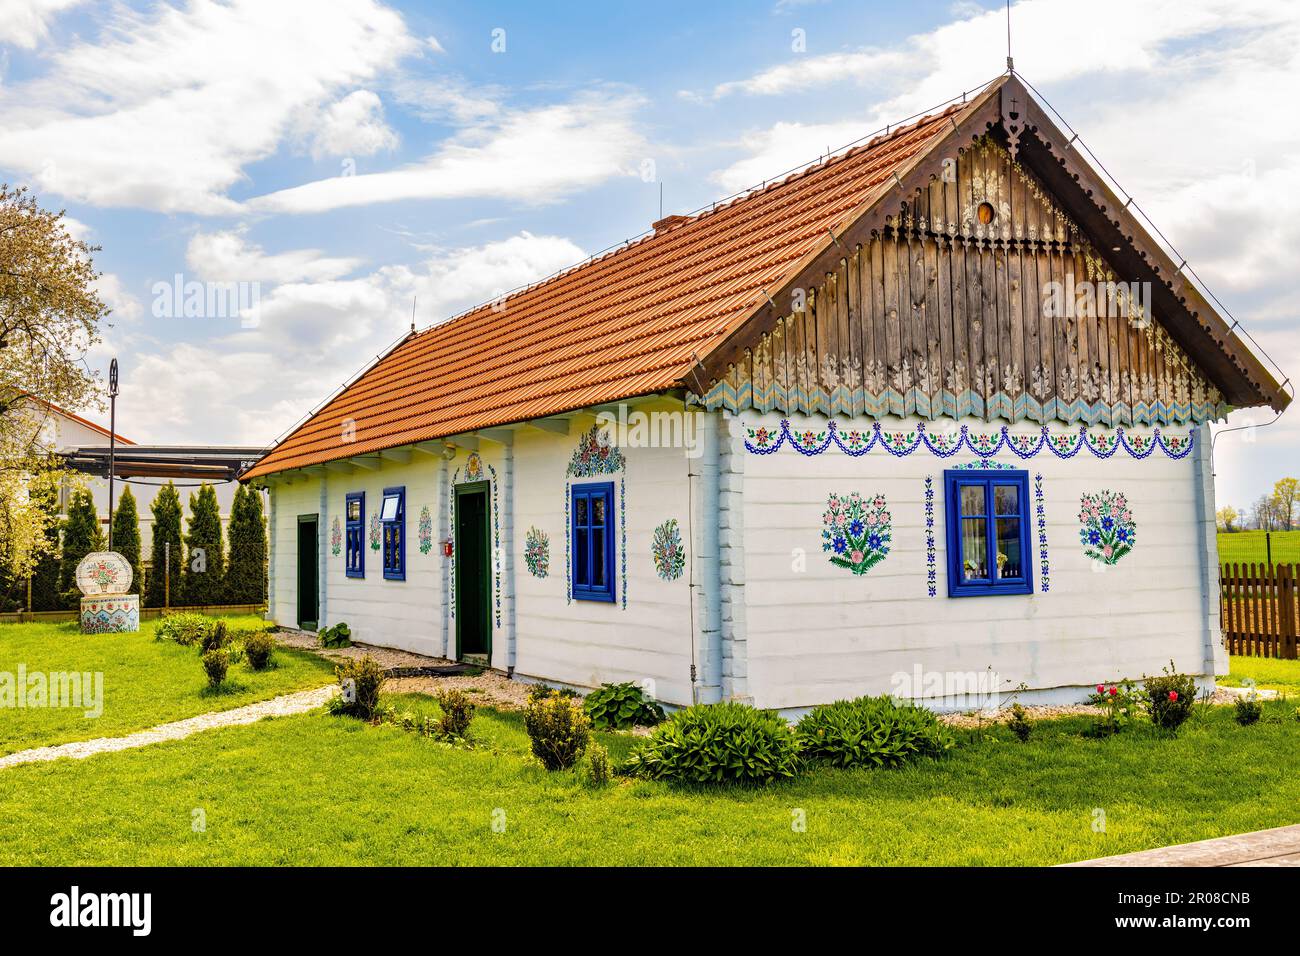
(284, 706)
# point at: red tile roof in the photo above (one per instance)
(629, 323)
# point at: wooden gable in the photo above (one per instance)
(972, 292)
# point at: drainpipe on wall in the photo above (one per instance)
(708, 563)
(1207, 547)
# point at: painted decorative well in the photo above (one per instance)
(104, 578)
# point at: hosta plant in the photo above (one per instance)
(872, 732)
(718, 743)
(620, 706)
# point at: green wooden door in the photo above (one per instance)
(308, 574)
(473, 573)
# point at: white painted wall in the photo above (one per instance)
(822, 633)
(579, 643)
(587, 643)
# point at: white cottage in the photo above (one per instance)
(929, 418)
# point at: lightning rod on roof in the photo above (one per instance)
(1011, 66)
(413, 298)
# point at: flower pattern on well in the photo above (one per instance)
(374, 531)
(856, 531)
(537, 552)
(668, 552)
(1108, 530)
(336, 537)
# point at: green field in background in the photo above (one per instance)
(1244, 547)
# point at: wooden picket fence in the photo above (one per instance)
(1258, 610)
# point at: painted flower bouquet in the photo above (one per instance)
(856, 531)
(667, 550)
(426, 530)
(537, 552)
(1108, 531)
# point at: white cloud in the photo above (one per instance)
(353, 126)
(233, 388)
(534, 155)
(165, 108)
(783, 147)
(25, 23)
(226, 256)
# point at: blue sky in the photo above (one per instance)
(349, 156)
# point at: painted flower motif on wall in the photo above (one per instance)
(668, 552)
(474, 467)
(537, 552)
(336, 537)
(596, 455)
(374, 532)
(1109, 531)
(856, 531)
(426, 530)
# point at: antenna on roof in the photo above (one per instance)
(1011, 66)
(413, 298)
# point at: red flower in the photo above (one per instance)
(1114, 691)
(1100, 689)
(1173, 695)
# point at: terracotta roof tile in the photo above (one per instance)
(626, 323)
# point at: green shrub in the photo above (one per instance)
(620, 706)
(1248, 709)
(259, 646)
(715, 743)
(871, 732)
(1169, 699)
(598, 771)
(1019, 723)
(215, 637)
(340, 635)
(216, 662)
(361, 679)
(457, 712)
(185, 628)
(558, 730)
(539, 691)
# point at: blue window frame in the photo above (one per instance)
(988, 533)
(355, 539)
(392, 527)
(591, 512)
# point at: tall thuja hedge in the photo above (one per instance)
(166, 510)
(45, 576)
(246, 573)
(205, 567)
(81, 535)
(126, 535)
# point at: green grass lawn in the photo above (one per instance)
(145, 682)
(317, 789)
(1267, 673)
(1245, 547)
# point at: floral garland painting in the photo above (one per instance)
(666, 547)
(1109, 531)
(856, 531)
(537, 552)
(426, 530)
(374, 532)
(336, 537)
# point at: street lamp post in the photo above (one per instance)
(112, 443)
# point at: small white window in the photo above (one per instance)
(389, 512)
